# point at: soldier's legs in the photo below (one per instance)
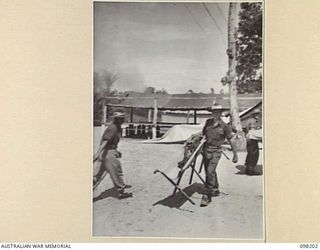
(255, 153)
(113, 166)
(252, 156)
(249, 152)
(211, 186)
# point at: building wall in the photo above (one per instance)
(182, 118)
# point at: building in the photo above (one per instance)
(178, 108)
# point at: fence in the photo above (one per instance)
(141, 131)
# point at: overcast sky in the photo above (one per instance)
(172, 46)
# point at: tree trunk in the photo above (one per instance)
(239, 141)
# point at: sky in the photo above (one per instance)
(171, 46)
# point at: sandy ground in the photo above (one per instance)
(154, 212)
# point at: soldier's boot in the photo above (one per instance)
(122, 194)
(251, 171)
(215, 192)
(248, 170)
(206, 199)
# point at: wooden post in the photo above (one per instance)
(131, 115)
(240, 142)
(188, 116)
(149, 115)
(155, 116)
(195, 117)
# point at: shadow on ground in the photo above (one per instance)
(177, 200)
(112, 192)
(242, 169)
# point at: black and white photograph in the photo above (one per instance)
(178, 108)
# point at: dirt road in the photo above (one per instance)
(153, 212)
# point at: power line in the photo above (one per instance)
(199, 25)
(221, 13)
(194, 18)
(214, 20)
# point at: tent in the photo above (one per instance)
(176, 134)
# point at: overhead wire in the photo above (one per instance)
(221, 13)
(194, 19)
(214, 21)
(200, 26)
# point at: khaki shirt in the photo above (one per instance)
(254, 131)
(112, 134)
(216, 132)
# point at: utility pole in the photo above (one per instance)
(240, 141)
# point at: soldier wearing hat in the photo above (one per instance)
(215, 131)
(253, 124)
(109, 155)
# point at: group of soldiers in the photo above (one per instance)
(215, 131)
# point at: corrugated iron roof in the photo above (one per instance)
(186, 101)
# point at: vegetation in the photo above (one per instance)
(249, 48)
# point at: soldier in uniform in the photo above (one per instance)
(253, 124)
(215, 132)
(109, 155)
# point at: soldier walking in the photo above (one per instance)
(215, 132)
(109, 156)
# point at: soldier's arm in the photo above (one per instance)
(100, 150)
(208, 123)
(229, 136)
(235, 154)
(107, 136)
